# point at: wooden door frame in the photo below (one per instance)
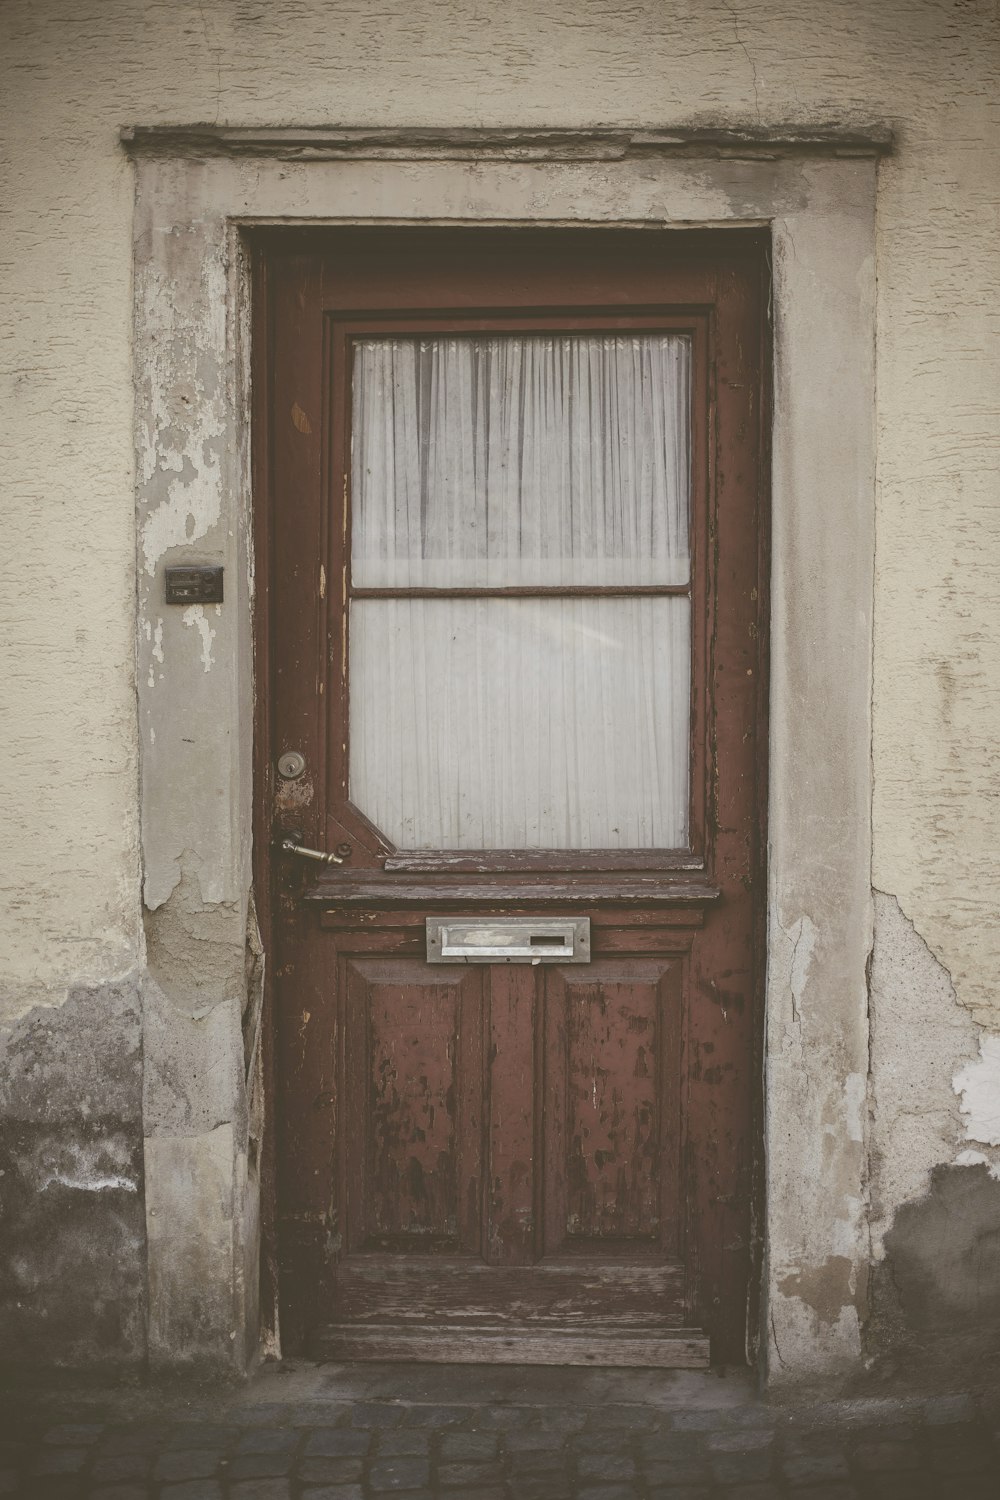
(198, 192)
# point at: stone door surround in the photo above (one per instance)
(198, 191)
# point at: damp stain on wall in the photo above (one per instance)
(72, 1214)
(935, 1317)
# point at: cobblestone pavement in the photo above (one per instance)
(341, 1434)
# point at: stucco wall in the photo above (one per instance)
(68, 781)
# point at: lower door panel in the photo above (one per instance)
(504, 1178)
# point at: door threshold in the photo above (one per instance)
(494, 1343)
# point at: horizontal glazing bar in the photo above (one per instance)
(558, 591)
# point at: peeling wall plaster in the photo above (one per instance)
(933, 1209)
(978, 1159)
(182, 475)
(195, 616)
(802, 936)
(978, 1084)
(920, 1036)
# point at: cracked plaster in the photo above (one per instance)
(925, 1047)
(934, 1209)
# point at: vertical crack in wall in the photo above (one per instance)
(749, 57)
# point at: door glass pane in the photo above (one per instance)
(506, 460)
(540, 723)
(534, 462)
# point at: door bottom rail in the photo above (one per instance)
(494, 1343)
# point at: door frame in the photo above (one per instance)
(199, 194)
(715, 280)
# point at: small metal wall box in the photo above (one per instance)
(200, 585)
(510, 940)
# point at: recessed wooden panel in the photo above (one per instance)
(612, 1088)
(415, 1079)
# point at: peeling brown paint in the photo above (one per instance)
(292, 795)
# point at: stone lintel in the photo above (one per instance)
(422, 143)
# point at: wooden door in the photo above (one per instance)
(541, 1161)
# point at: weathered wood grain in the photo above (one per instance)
(575, 1291)
(607, 1344)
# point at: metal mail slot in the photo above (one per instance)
(508, 940)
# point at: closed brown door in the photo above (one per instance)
(510, 658)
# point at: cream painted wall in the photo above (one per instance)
(72, 75)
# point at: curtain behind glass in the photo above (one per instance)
(504, 461)
(521, 723)
(500, 723)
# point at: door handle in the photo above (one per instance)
(291, 845)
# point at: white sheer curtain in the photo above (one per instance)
(491, 462)
(520, 723)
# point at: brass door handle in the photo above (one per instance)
(290, 845)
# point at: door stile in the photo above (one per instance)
(701, 583)
(725, 973)
(261, 402)
(510, 1207)
(336, 563)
